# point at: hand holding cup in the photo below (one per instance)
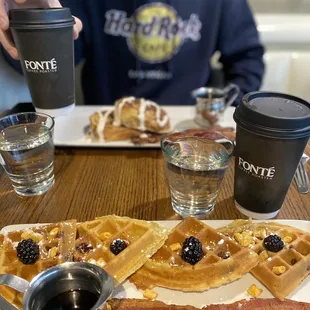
(6, 38)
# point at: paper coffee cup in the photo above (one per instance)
(44, 40)
(272, 132)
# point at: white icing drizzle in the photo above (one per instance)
(102, 122)
(143, 135)
(143, 105)
(164, 121)
(118, 109)
(141, 114)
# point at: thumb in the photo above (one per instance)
(77, 27)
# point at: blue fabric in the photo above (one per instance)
(161, 50)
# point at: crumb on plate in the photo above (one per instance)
(149, 294)
(254, 291)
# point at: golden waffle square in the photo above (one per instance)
(143, 239)
(281, 272)
(223, 261)
(56, 245)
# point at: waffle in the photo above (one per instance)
(56, 243)
(167, 269)
(294, 257)
(95, 237)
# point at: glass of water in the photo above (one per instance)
(195, 167)
(27, 152)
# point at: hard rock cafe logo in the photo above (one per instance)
(154, 32)
(256, 171)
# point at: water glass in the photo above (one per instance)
(27, 152)
(195, 167)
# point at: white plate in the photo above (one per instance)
(70, 130)
(229, 293)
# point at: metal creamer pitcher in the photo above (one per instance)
(54, 284)
(212, 102)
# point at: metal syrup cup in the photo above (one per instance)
(57, 280)
(212, 102)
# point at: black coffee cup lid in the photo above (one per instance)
(29, 18)
(274, 115)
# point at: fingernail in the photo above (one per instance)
(13, 53)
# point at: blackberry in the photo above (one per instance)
(192, 250)
(27, 251)
(273, 243)
(118, 245)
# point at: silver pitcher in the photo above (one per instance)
(58, 280)
(212, 102)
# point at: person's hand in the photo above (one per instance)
(5, 35)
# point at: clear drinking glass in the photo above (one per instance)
(27, 152)
(195, 167)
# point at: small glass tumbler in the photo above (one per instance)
(27, 152)
(195, 167)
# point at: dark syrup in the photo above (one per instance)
(72, 300)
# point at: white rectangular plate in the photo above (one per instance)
(70, 130)
(229, 293)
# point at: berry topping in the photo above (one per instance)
(192, 250)
(27, 251)
(273, 243)
(118, 245)
(84, 247)
(223, 255)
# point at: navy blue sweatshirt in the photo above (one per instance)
(161, 50)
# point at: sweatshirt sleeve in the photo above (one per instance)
(12, 62)
(240, 47)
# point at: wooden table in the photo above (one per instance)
(128, 182)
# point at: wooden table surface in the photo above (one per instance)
(126, 182)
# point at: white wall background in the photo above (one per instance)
(280, 6)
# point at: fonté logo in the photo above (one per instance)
(45, 66)
(256, 171)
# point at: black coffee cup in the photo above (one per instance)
(272, 132)
(44, 40)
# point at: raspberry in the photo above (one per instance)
(28, 251)
(118, 245)
(273, 243)
(192, 250)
